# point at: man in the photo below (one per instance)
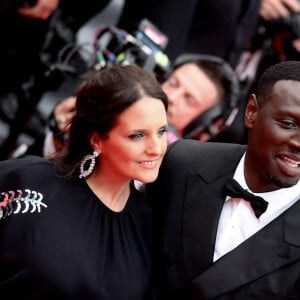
(210, 246)
(38, 30)
(28, 23)
(270, 10)
(203, 93)
(222, 28)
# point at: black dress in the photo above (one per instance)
(58, 241)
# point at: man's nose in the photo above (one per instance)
(295, 139)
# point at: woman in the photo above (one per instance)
(75, 227)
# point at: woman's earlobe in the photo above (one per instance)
(95, 142)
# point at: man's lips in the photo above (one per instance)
(289, 165)
(292, 162)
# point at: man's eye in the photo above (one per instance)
(191, 101)
(172, 81)
(288, 124)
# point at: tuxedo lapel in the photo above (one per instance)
(202, 207)
(198, 215)
(274, 246)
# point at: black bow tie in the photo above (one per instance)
(233, 189)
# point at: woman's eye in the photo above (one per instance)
(136, 136)
(162, 131)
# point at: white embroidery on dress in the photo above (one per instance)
(14, 202)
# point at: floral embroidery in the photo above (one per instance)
(20, 201)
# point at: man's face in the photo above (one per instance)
(273, 156)
(190, 93)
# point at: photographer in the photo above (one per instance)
(274, 9)
(277, 39)
(38, 30)
(221, 28)
(203, 94)
(28, 24)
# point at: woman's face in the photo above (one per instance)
(136, 145)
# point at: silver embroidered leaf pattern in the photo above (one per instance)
(20, 201)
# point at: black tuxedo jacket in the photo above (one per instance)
(187, 201)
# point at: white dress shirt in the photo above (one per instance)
(238, 221)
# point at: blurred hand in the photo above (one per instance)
(274, 9)
(43, 9)
(64, 112)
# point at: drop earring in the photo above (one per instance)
(90, 161)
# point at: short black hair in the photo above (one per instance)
(287, 70)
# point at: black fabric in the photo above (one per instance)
(233, 189)
(59, 241)
(187, 202)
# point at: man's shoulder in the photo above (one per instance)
(193, 154)
(207, 159)
(192, 148)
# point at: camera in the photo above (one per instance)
(144, 47)
(114, 46)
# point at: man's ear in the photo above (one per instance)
(251, 111)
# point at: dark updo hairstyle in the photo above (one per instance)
(100, 99)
